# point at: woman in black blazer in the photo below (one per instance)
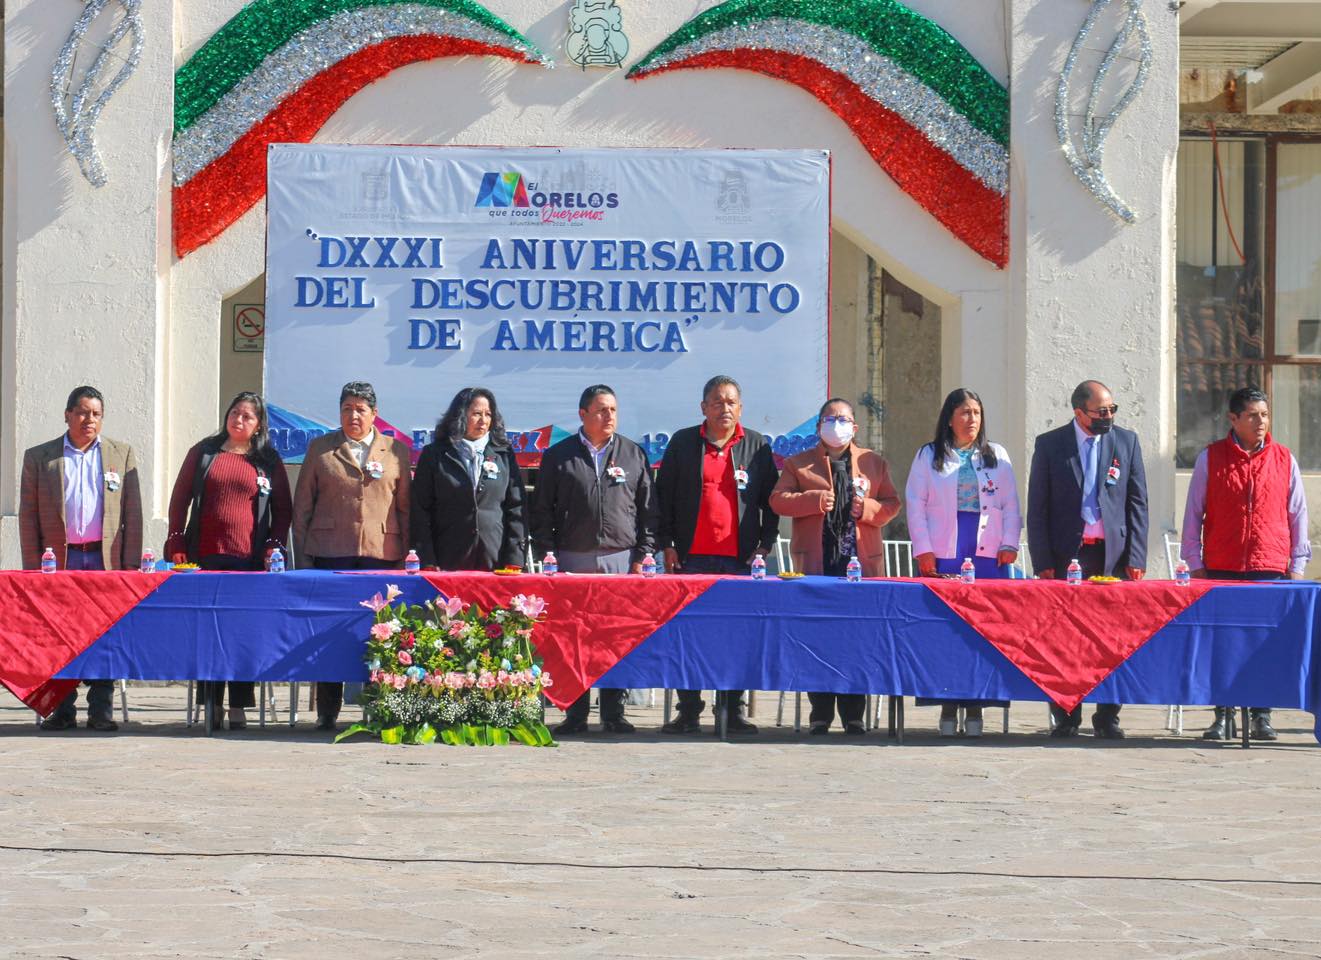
(468, 496)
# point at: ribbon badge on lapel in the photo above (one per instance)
(490, 469)
(375, 469)
(861, 486)
(1112, 475)
(263, 484)
(615, 473)
(741, 478)
(111, 481)
(989, 488)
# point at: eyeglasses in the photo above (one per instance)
(847, 421)
(1109, 411)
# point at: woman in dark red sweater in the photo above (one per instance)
(230, 508)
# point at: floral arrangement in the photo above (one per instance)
(449, 671)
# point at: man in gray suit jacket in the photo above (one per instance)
(79, 496)
(1087, 500)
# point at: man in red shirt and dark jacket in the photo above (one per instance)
(1246, 517)
(714, 489)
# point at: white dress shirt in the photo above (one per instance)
(362, 449)
(84, 492)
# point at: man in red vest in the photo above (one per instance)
(1246, 517)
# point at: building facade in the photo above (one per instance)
(99, 288)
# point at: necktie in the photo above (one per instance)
(1091, 504)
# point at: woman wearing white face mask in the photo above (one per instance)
(962, 503)
(840, 496)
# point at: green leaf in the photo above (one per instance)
(524, 735)
(470, 734)
(356, 729)
(544, 737)
(451, 736)
(499, 736)
(426, 734)
(392, 735)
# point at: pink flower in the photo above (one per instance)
(486, 681)
(494, 631)
(528, 606)
(400, 681)
(470, 679)
(502, 678)
(407, 641)
(545, 680)
(456, 628)
(391, 592)
(405, 658)
(453, 606)
(381, 631)
(525, 633)
(376, 604)
(447, 651)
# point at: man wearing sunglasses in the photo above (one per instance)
(1087, 499)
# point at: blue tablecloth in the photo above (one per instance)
(1249, 644)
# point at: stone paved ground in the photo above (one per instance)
(272, 843)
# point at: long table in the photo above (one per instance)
(1254, 644)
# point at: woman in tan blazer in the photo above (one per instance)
(839, 496)
(351, 505)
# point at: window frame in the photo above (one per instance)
(1269, 359)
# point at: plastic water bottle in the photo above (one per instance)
(412, 563)
(649, 565)
(550, 566)
(853, 572)
(148, 564)
(967, 572)
(48, 564)
(759, 567)
(275, 562)
(1074, 574)
(1182, 575)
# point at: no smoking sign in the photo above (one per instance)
(249, 327)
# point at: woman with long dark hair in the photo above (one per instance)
(468, 497)
(230, 508)
(962, 504)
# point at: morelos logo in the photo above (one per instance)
(509, 189)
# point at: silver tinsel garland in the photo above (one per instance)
(77, 115)
(314, 50)
(1086, 161)
(878, 76)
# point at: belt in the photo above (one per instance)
(91, 546)
(1088, 541)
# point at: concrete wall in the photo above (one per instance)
(91, 290)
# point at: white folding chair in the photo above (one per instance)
(898, 558)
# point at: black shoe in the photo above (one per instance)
(103, 724)
(59, 722)
(739, 727)
(818, 729)
(1108, 731)
(618, 726)
(855, 728)
(570, 727)
(1063, 730)
(1219, 729)
(1261, 729)
(682, 726)
(326, 723)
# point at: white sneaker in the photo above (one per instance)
(972, 728)
(947, 727)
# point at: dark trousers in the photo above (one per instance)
(100, 693)
(242, 693)
(1250, 575)
(612, 706)
(330, 694)
(852, 707)
(1091, 557)
(690, 701)
(600, 561)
